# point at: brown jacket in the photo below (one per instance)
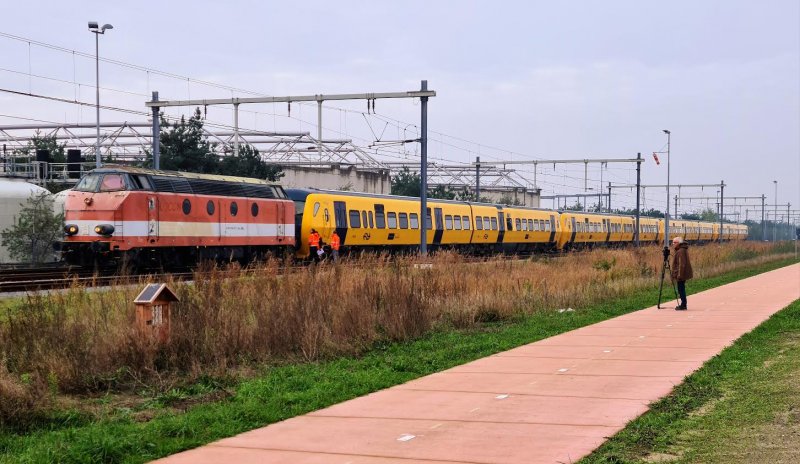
(681, 266)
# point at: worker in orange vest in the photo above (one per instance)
(335, 242)
(313, 244)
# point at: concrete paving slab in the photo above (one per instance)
(551, 401)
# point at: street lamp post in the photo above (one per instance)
(666, 215)
(97, 30)
(775, 221)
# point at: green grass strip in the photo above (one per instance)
(287, 391)
(712, 415)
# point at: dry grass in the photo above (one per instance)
(79, 342)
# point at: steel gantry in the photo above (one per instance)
(423, 94)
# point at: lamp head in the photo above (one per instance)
(666, 132)
(93, 25)
(107, 26)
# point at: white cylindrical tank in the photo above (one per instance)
(13, 194)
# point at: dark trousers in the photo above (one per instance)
(313, 253)
(682, 291)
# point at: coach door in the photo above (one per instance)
(340, 217)
(152, 219)
(501, 226)
(574, 230)
(437, 234)
(552, 228)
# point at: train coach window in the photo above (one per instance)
(414, 219)
(478, 223)
(234, 208)
(457, 222)
(518, 225)
(403, 221)
(187, 206)
(494, 223)
(428, 221)
(509, 223)
(547, 227)
(448, 222)
(112, 182)
(465, 221)
(254, 209)
(364, 219)
(316, 209)
(210, 207)
(355, 219)
(392, 218)
(371, 221)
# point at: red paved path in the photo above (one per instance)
(552, 401)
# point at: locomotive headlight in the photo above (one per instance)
(104, 229)
(70, 229)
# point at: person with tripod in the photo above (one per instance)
(681, 268)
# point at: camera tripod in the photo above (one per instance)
(664, 267)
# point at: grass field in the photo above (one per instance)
(146, 423)
(743, 406)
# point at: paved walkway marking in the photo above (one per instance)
(553, 401)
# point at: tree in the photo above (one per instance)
(441, 192)
(406, 183)
(249, 164)
(185, 147)
(507, 199)
(709, 215)
(45, 142)
(34, 231)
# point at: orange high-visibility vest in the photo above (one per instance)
(313, 240)
(335, 241)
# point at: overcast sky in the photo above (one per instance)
(533, 79)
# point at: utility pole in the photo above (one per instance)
(788, 224)
(609, 197)
(666, 215)
(676, 206)
(156, 135)
(774, 228)
(423, 194)
(477, 178)
(721, 206)
(638, 196)
(763, 223)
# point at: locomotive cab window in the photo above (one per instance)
(316, 209)
(355, 219)
(112, 183)
(89, 183)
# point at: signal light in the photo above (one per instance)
(70, 229)
(104, 229)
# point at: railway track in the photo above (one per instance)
(28, 280)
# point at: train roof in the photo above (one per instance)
(181, 174)
(300, 194)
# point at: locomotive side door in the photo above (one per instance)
(281, 221)
(152, 219)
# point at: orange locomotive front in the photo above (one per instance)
(162, 218)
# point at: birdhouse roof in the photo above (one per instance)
(153, 292)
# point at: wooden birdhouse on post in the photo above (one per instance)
(153, 310)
